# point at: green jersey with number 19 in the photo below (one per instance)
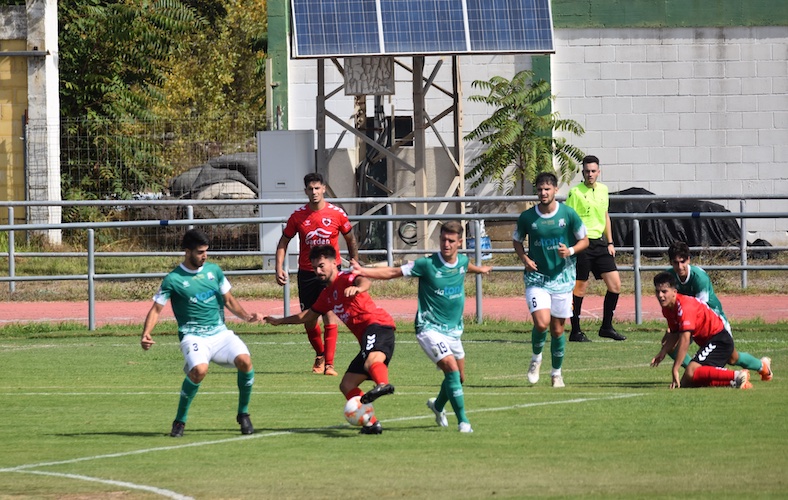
(441, 293)
(545, 232)
(197, 299)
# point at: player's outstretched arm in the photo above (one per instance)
(378, 273)
(294, 319)
(668, 343)
(479, 269)
(150, 321)
(235, 307)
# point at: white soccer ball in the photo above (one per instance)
(357, 413)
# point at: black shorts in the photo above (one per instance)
(309, 288)
(376, 338)
(717, 352)
(596, 259)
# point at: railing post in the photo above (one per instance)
(11, 259)
(190, 215)
(636, 268)
(286, 291)
(91, 284)
(477, 251)
(743, 243)
(389, 236)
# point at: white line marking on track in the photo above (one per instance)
(123, 484)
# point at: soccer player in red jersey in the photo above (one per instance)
(316, 223)
(346, 295)
(688, 320)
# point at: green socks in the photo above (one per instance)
(451, 392)
(245, 383)
(557, 346)
(188, 391)
(748, 361)
(537, 340)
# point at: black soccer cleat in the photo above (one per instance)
(177, 429)
(578, 337)
(246, 423)
(375, 428)
(611, 333)
(376, 392)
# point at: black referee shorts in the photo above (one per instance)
(595, 259)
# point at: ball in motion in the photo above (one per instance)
(357, 413)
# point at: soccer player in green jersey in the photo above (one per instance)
(590, 200)
(199, 293)
(693, 281)
(439, 324)
(555, 233)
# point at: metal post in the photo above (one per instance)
(636, 268)
(389, 236)
(286, 291)
(190, 214)
(11, 260)
(743, 243)
(91, 284)
(477, 250)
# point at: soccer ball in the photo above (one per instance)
(357, 413)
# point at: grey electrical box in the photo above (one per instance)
(284, 157)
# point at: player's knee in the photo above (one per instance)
(197, 374)
(243, 363)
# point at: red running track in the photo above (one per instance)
(769, 308)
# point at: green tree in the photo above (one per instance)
(518, 136)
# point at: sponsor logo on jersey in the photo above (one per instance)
(307, 223)
(533, 225)
(186, 284)
(561, 222)
(317, 237)
(211, 277)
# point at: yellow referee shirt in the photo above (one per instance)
(591, 205)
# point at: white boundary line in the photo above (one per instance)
(124, 484)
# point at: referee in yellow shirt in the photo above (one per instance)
(590, 200)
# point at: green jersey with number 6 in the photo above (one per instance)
(441, 293)
(545, 232)
(197, 299)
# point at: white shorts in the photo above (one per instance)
(437, 345)
(221, 348)
(560, 304)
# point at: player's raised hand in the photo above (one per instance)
(352, 291)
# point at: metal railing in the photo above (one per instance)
(389, 251)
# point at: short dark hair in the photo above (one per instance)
(664, 278)
(321, 251)
(546, 178)
(590, 159)
(313, 177)
(194, 238)
(678, 249)
(452, 226)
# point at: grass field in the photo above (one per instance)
(86, 416)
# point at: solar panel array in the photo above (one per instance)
(336, 28)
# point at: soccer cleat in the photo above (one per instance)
(177, 429)
(557, 381)
(766, 369)
(375, 428)
(611, 333)
(578, 337)
(246, 423)
(376, 392)
(533, 371)
(742, 380)
(319, 366)
(330, 371)
(440, 416)
(465, 427)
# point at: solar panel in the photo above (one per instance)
(336, 28)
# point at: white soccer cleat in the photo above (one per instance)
(533, 371)
(742, 380)
(440, 416)
(558, 381)
(465, 427)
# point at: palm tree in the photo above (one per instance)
(519, 135)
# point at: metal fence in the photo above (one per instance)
(185, 209)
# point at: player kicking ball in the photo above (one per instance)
(439, 325)
(346, 295)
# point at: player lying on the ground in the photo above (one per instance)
(688, 320)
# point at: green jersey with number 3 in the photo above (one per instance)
(545, 233)
(197, 299)
(441, 293)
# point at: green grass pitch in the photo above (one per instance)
(86, 415)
